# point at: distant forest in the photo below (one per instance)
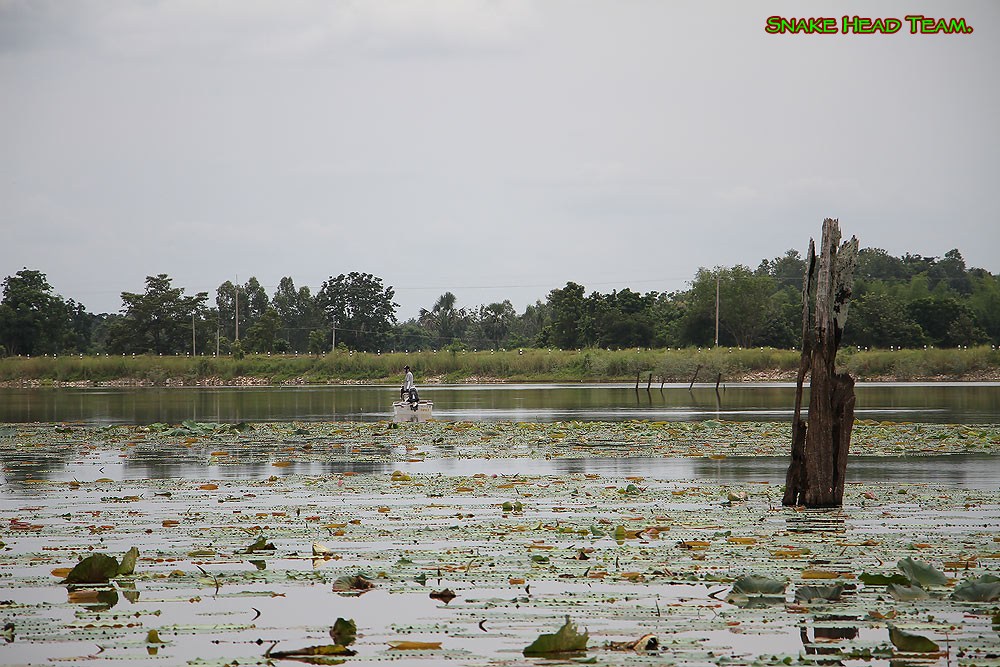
(908, 302)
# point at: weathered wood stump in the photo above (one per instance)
(819, 449)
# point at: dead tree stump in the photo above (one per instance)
(819, 449)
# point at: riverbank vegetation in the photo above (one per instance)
(908, 302)
(523, 365)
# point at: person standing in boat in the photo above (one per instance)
(409, 390)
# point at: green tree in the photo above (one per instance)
(34, 320)
(570, 320)
(950, 270)
(789, 270)
(263, 334)
(527, 328)
(226, 297)
(745, 306)
(444, 321)
(985, 303)
(360, 308)
(410, 335)
(878, 320)
(158, 320)
(946, 321)
(319, 341)
(877, 264)
(622, 319)
(495, 321)
(255, 305)
(299, 312)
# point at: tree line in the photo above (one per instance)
(908, 301)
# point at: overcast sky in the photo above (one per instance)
(493, 149)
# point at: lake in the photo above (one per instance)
(945, 402)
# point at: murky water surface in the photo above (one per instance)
(628, 529)
(935, 402)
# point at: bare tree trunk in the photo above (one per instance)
(818, 467)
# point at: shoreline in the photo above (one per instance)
(778, 377)
(641, 367)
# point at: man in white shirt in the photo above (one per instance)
(409, 390)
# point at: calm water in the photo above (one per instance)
(928, 402)
(969, 471)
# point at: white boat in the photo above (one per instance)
(404, 411)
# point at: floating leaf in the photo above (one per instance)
(344, 631)
(321, 550)
(812, 593)
(907, 593)
(260, 544)
(883, 580)
(446, 595)
(414, 646)
(819, 574)
(920, 573)
(982, 589)
(911, 643)
(325, 654)
(753, 584)
(566, 639)
(356, 584)
(94, 569)
(647, 642)
(127, 566)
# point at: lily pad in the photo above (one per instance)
(983, 589)
(869, 579)
(907, 593)
(344, 631)
(355, 584)
(911, 643)
(566, 639)
(325, 654)
(260, 544)
(127, 566)
(94, 569)
(813, 593)
(921, 574)
(753, 584)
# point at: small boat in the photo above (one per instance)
(404, 411)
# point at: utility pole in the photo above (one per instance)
(194, 352)
(718, 277)
(218, 332)
(236, 288)
(333, 345)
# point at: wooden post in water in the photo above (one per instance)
(816, 473)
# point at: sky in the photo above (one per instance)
(494, 149)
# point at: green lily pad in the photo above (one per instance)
(94, 569)
(869, 579)
(566, 639)
(813, 593)
(753, 584)
(356, 584)
(911, 643)
(344, 631)
(260, 544)
(921, 574)
(977, 590)
(127, 566)
(907, 593)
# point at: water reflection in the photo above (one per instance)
(971, 471)
(939, 402)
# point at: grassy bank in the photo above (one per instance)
(535, 365)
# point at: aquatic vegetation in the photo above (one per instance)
(237, 560)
